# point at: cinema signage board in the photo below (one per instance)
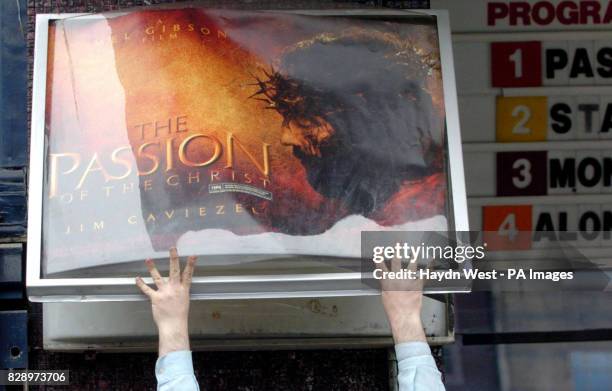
(497, 62)
(553, 117)
(535, 63)
(529, 223)
(537, 114)
(224, 133)
(539, 168)
(549, 172)
(471, 16)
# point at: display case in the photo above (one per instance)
(264, 142)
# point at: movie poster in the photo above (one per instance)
(247, 134)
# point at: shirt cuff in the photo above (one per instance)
(172, 365)
(411, 349)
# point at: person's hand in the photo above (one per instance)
(170, 303)
(402, 300)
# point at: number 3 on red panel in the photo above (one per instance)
(521, 173)
(507, 227)
(516, 64)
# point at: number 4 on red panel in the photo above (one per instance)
(507, 227)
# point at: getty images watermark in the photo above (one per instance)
(413, 254)
(462, 261)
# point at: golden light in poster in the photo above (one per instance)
(238, 133)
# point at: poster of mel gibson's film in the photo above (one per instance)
(240, 133)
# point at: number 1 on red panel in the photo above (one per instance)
(516, 64)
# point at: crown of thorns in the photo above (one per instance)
(297, 101)
(293, 100)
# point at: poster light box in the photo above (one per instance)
(263, 142)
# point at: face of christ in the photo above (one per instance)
(307, 136)
(360, 128)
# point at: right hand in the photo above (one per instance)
(403, 301)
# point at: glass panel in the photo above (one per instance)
(557, 366)
(262, 142)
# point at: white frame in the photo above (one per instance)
(230, 287)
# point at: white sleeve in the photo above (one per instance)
(417, 368)
(174, 371)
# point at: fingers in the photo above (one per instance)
(382, 266)
(157, 278)
(396, 264)
(417, 284)
(188, 272)
(175, 267)
(144, 287)
(412, 265)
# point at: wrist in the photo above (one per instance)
(409, 329)
(173, 339)
(170, 328)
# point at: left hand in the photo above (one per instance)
(170, 303)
